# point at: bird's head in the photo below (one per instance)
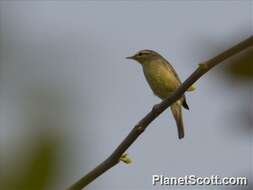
(144, 56)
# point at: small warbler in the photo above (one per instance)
(163, 80)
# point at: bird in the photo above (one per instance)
(163, 80)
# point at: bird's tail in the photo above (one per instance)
(184, 103)
(176, 110)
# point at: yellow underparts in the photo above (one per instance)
(160, 78)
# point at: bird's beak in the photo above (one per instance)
(130, 57)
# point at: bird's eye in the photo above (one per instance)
(140, 54)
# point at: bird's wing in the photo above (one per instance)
(191, 88)
(173, 70)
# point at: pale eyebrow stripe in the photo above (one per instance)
(145, 51)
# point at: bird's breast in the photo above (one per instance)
(161, 80)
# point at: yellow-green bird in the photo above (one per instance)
(163, 80)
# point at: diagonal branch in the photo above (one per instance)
(139, 128)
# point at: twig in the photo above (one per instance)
(139, 128)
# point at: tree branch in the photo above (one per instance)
(139, 128)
